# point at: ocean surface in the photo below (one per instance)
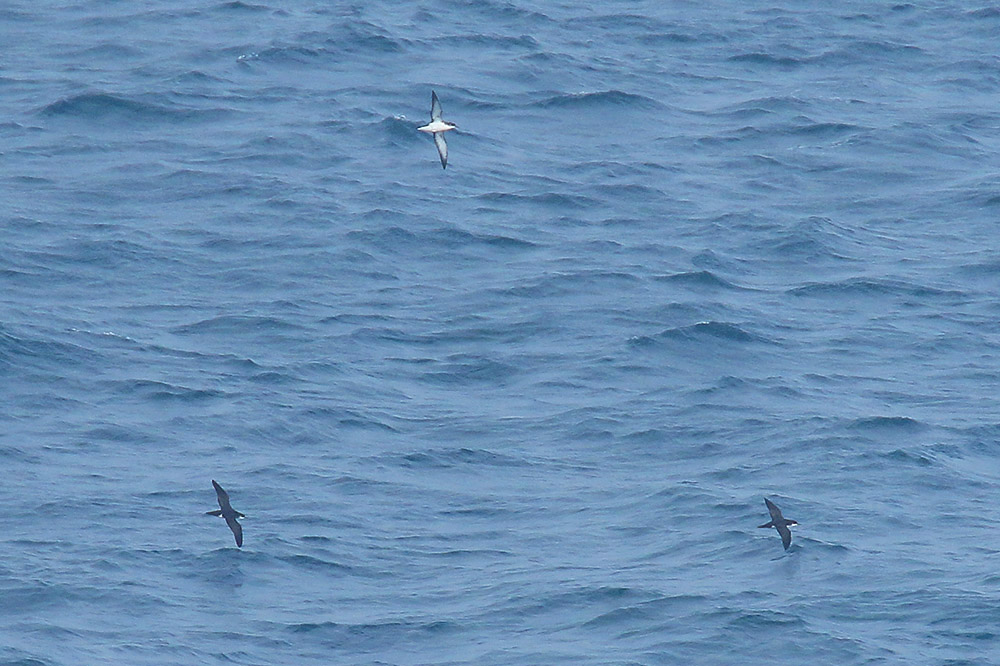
(524, 410)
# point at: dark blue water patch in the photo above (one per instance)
(241, 7)
(975, 125)
(971, 76)
(15, 657)
(988, 13)
(670, 38)
(400, 132)
(727, 136)
(360, 36)
(317, 564)
(807, 127)
(862, 53)
(635, 196)
(552, 200)
(122, 52)
(119, 433)
(499, 42)
(476, 331)
(99, 108)
(497, 10)
(286, 56)
(580, 599)
(38, 596)
(470, 370)
(367, 636)
(766, 60)
(17, 454)
(475, 556)
(622, 617)
(908, 457)
(158, 391)
(557, 284)
(347, 418)
(20, 351)
(704, 331)
(764, 106)
(355, 486)
(208, 83)
(393, 239)
(444, 458)
(454, 237)
(981, 195)
(863, 287)
(629, 23)
(698, 280)
(273, 378)
(237, 325)
(897, 425)
(814, 239)
(109, 253)
(605, 100)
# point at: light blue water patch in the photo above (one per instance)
(524, 410)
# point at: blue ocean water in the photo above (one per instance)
(525, 410)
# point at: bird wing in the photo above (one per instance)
(238, 529)
(223, 496)
(786, 535)
(442, 147)
(435, 107)
(774, 511)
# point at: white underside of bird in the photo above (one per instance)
(436, 126)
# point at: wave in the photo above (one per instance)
(246, 324)
(601, 100)
(860, 286)
(554, 200)
(766, 59)
(887, 423)
(240, 6)
(19, 351)
(104, 106)
(698, 280)
(703, 331)
(163, 391)
(373, 634)
(458, 457)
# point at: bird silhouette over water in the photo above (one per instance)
(228, 512)
(779, 523)
(438, 127)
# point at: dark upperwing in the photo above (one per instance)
(775, 512)
(786, 535)
(238, 529)
(223, 497)
(435, 107)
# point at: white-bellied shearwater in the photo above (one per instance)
(438, 127)
(779, 523)
(228, 512)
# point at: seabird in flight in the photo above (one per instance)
(438, 127)
(228, 512)
(779, 523)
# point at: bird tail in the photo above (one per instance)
(217, 512)
(241, 515)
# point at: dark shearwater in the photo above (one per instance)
(779, 523)
(228, 512)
